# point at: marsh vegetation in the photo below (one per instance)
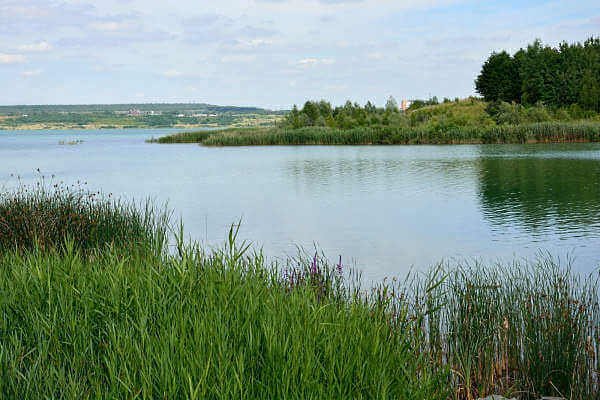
(85, 315)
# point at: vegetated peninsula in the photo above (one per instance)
(539, 94)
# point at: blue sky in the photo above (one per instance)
(269, 53)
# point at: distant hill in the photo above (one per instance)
(146, 107)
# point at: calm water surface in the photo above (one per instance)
(384, 209)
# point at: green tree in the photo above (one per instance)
(589, 97)
(499, 78)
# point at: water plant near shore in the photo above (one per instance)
(546, 132)
(224, 323)
(184, 137)
(45, 214)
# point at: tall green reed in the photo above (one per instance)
(45, 214)
(578, 131)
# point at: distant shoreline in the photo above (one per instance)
(42, 127)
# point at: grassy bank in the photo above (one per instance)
(469, 121)
(544, 132)
(226, 323)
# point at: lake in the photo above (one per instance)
(384, 209)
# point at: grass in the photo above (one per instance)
(184, 137)
(524, 328)
(226, 323)
(545, 132)
(44, 215)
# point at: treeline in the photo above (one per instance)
(350, 115)
(353, 115)
(554, 76)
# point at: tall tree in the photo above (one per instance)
(499, 78)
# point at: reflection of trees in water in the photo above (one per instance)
(371, 172)
(537, 192)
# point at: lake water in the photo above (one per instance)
(384, 209)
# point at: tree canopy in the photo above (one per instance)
(555, 76)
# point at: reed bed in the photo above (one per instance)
(583, 131)
(227, 323)
(45, 214)
(200, 326)
(526, 329)
(183, 137)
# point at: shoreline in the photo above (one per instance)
(537, 133)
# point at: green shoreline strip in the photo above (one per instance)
(545, 132)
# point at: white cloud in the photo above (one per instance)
(172, 73)
(312, 62)
(11, 58)
(36, 47)
(31, 73)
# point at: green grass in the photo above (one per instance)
(184, 137)
(226, 323)
(546, 132)
(222, 326)
(42, 216)
(522, 328)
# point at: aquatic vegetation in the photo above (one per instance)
(184, 137)
(530, 133)
(193, 325)
(46, 214)
(527, 328)
(227, 323)
(70, 142)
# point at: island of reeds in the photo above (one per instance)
(539, 94)
(101, 298)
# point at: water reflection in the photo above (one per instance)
(387, 169)
(542, 191)
(386, 207)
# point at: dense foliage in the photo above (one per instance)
(350, 115)
(555, 76)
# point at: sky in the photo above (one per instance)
(267, 53)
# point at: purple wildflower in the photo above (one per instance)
(313, 267)
(339, 267)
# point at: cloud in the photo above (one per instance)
(221, 29)
(11, 58)
(312, 62)
(31, 73)
(172, 73)
(36, 47)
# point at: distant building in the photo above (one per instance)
(405, 104)
(134, 112)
